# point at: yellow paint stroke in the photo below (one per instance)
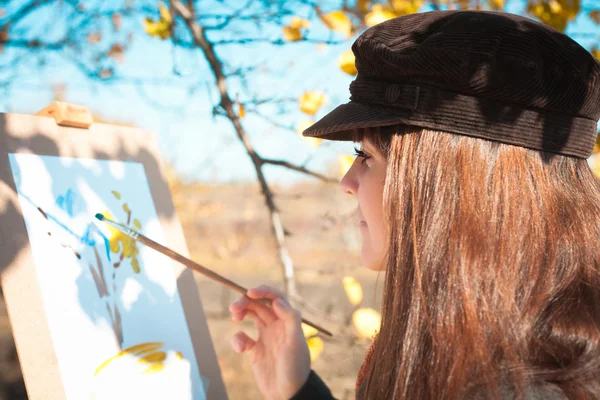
(122, 243)
(145, 348)
(135, 264)
(158, 356)
(116, 194)
(133, 350)
(154, 368)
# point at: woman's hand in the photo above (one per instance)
(279, 356)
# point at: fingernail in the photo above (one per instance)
(282, 303)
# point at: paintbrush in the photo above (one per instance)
(191, 264)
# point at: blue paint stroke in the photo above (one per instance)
(87, 240)
(66, 202)
(91, 242)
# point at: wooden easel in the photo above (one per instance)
(67, 114)
(31, 135)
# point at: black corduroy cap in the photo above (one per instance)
(491, 75)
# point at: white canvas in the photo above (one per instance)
(112, 305)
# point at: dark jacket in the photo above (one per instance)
(315, 389)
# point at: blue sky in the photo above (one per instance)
(199, 146)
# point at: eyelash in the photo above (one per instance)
(360, 153)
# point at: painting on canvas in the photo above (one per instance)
(113, 307)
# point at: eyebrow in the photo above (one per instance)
(367, 147)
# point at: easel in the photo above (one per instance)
(29, 309)
(66, 114)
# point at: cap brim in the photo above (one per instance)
(340, 123)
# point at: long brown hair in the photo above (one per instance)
(492, 272)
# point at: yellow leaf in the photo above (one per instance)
(366, 321)
(303, 125)
(338, 21)
(137, 223)
(596, 53)
(165, 14)
(311, 141)
(496, 4)
(116, 194)
(346, 62)
(363, 5)
(292, 34)
(310, 102)
(308, 330)
(555, 6)
(299, 23)
(596, 165)
(159, 29)
(404, 7)
(556, 13)
(315, 347)
(353, 290)
(378, 15)
(242, 110)
(162, 27)
(346, 162)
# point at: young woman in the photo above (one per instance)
(476, 199)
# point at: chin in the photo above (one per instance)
(372, 263)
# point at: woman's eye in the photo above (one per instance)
(360, 153)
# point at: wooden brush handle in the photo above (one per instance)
(211, 274)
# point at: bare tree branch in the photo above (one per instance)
(275, 42)
(200, 40)
(23, 12)
(34, 44)
(301, 169)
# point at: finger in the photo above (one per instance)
(239, 304)
(264, 312)
(292, 317)
(238, 316)
(265, 292)
(242, 343)
(258, 322)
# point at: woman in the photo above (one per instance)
(476, 199)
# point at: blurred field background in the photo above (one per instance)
(227, 86)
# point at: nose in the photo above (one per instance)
(349, 183)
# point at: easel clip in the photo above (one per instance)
(67, 114)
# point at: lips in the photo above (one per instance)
(361, 220)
